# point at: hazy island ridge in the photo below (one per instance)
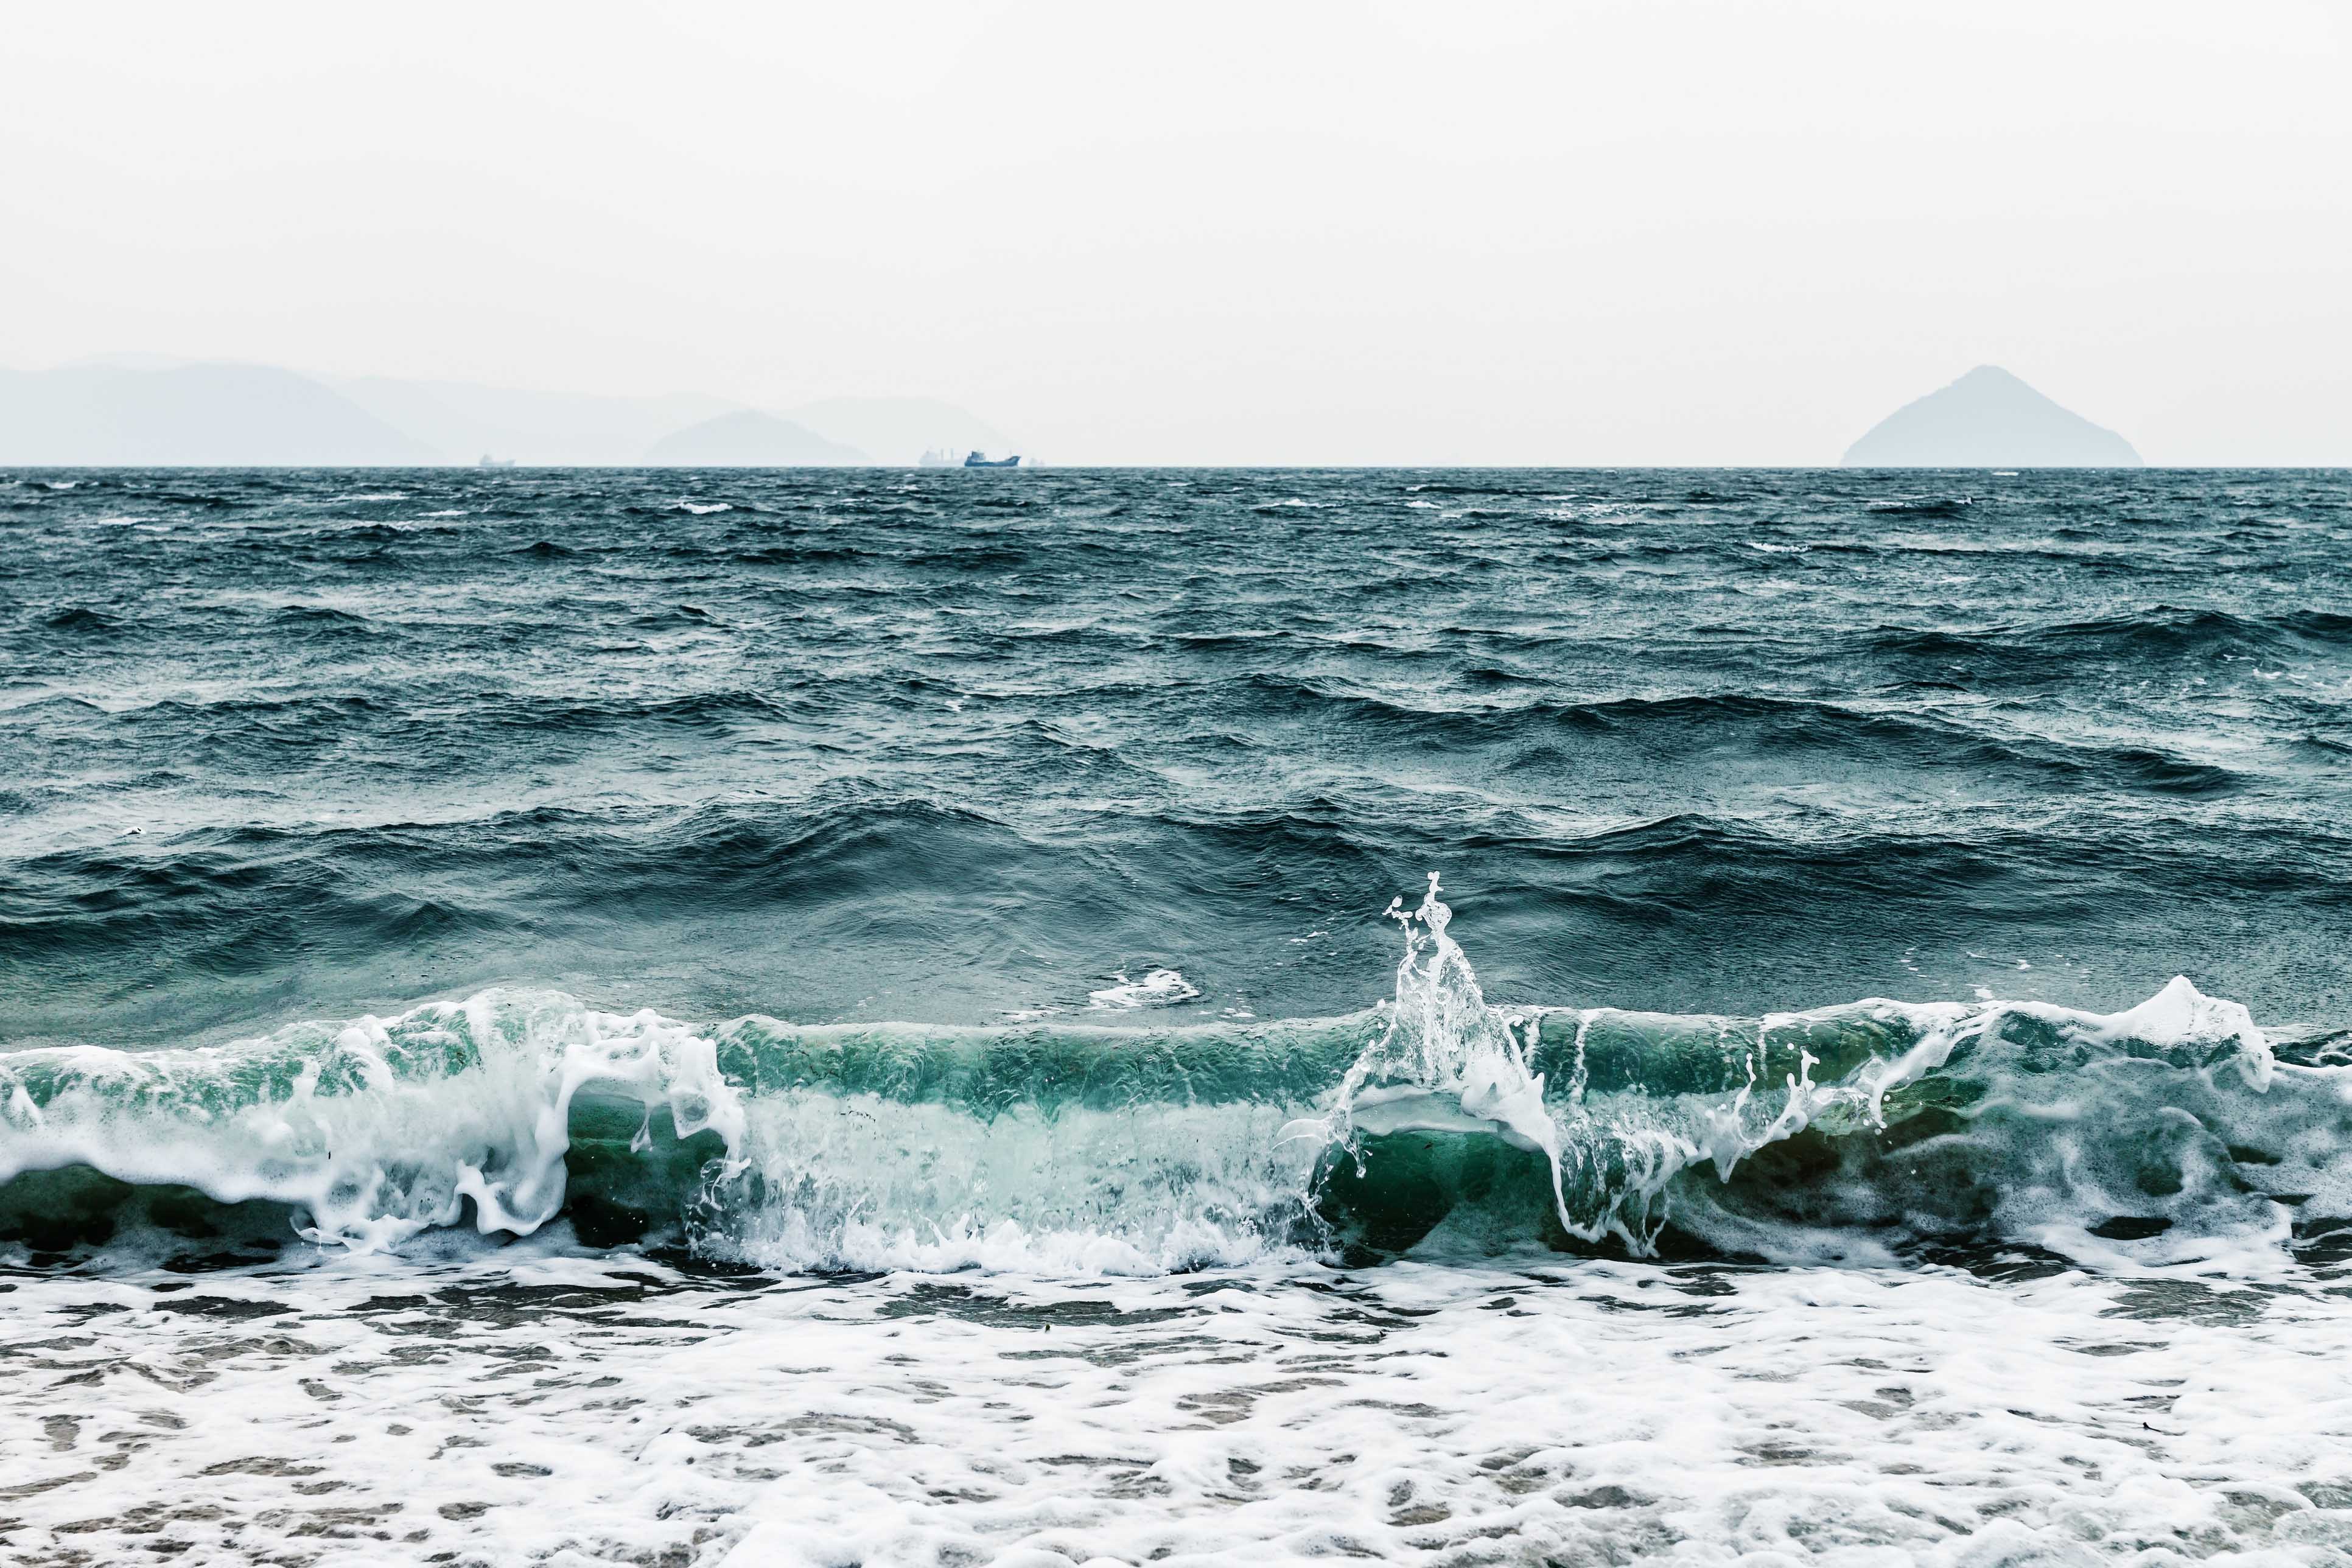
(150, 411)
(133, 410)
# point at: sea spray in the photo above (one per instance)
(1435, 1120)
(1447, 1063)
(373, 1129)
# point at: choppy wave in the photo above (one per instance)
(1435, 1123)
(1697, 739)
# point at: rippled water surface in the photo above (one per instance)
(845, 1017)
(938, 746)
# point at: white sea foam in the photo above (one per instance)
(1159, 988)
(538, 1406)
(830, 1181)
(2163, 1134)
(378, 1128)
(2151, 1111)
(1093, 1336)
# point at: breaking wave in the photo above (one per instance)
(1433, 1123)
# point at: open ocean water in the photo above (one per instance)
(886, 1017)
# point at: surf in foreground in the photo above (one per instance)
(1434, 1123)
(540, 1406)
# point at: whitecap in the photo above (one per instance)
(1161, 988)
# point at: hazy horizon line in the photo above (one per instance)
(1563, 467)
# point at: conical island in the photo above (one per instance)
(1989, 419)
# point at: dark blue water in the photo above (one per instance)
(1037, 826)
(936, 746)
(720, 879)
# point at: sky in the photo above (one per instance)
(1585, 231)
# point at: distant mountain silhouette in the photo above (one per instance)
(191, 415)
(464, 422)
(155, 409)
(749, 440)
(1989, 419)
(901, 429)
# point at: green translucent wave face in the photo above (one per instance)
(1869, 1126)
(871, 1146)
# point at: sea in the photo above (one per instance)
(1060, 1017)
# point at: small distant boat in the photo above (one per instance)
(489, 462)
(982, 460)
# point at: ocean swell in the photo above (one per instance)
(1433, 1122)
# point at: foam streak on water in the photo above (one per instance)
(1431, 1125)
(559, 1409)
(827, 1019)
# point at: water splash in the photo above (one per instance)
(371, 1131)
(1061, 1147)
(2034, 1121)
(1447, 1061)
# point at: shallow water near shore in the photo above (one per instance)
(879, 1017)
(571, 1408)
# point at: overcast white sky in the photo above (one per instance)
(1607, 232)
